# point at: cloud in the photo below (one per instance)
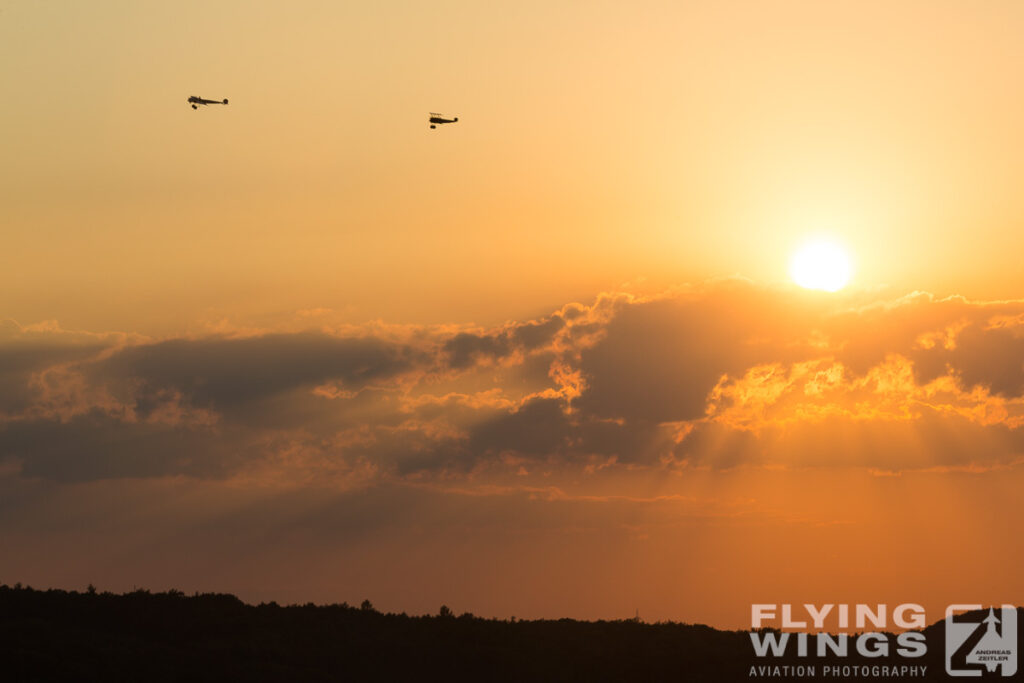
(226, 374)
(980, 354)
(26, 352)
(98, 446)
(658, 360)
(721, 375)
(466, 349)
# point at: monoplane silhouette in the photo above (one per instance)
(196, 101)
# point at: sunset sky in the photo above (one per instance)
(547, 361)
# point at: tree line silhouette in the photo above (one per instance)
(170, 636)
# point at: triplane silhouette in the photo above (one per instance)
(435, 119)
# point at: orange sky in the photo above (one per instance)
(599, 144)
(542, 362)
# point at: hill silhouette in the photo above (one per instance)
(144, 636)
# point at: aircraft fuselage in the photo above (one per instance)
(199, 100)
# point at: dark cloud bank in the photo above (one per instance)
(720, 375)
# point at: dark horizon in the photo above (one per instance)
(171, 636)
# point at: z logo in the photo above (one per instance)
(978, 642)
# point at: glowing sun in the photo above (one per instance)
(820, 265)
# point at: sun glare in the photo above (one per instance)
(820, 265)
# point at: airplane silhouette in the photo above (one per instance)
(194, 101)
(436, 118)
